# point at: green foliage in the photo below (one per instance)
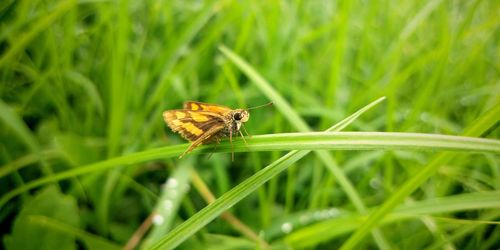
(27, 234)
(84, 151)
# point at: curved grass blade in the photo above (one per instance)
(157, 153)
(230, 198)
(92, 241)
(21, 130)
(40, 26)
(478, 127)
(325, 230)
(290, 141)
(302, 126)
(173, 191)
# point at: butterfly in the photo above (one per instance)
(203, 123)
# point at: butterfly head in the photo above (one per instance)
(240, 115)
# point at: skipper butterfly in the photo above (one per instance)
(203, 123)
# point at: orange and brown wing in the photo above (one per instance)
(193, 125)
(201, 106)
(204, 137)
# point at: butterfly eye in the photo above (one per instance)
(237, 116)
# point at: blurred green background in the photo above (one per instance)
(86, 81)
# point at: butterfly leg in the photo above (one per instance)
(191, 147)
(202, 138)
(243, 137)
(244, 129)
(231, 141)
(217, 140)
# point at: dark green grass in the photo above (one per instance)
(84, 151)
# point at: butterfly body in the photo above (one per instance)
(234, 120)
(203, 123)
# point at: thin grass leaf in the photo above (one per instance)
(89, 88)
(40, 26)
(269, 91)
(325, 230)
(302, 126)
(481, 125)
(168, 204)
(433, 61)
(290, 141)
(27, 160)
(119, 87)
(228, 199)
(465, 230)
(90, 240)
(16, 124)
(176, 50)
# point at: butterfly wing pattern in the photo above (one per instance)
(197, 122)
(201, 122)
(195, 106)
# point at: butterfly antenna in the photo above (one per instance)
(260, 106)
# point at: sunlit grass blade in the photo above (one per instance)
(289, 113)
(83, 85)
(323, 231)
(228, 199)
(290, 141)
(168, 204)
(481, 125)
(269, 91)
(465, 230)
(158, 153)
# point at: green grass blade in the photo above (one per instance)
(27, 160)
(480, 126)
(228, 199)
(302, 126)
(322, 231)
(173, 191)
(118, 95)
(16, 124)
(363, 141)
(40, 26)
(270, 92)
(83, 85)
(291, 141)
(159, 153)
(92, 241)
(465, 230)
(184, 39)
